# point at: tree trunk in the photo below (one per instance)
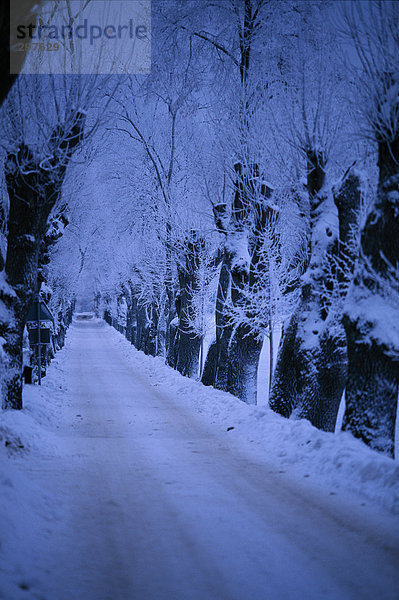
(238, 352)
(372, 316)
(310, 372)
(161, 330)
(209, 371)
(129, 323)
(64, 321)
(251, 216)
(141, 321)
(27, 226)
(133, 321)
(224, 328)
(189, 342)
(152, 330)
(188, 346)
(371, 393)
(243, 366)
(188, 354)
(294, 368)
(33, 192)
(311, 367)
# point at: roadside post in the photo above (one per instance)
(38, 323)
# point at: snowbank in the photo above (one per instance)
(338, 461)
(26, 508)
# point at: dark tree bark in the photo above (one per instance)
(171, 330)
(144, 327)
(131, 326)
(243, 365)
(292, 366)
(224, 327)
(189, 342)
(232, 363)
(170, 311)
(208, 374)
(161, 329)
(312, 364)
(141, 324)
(246, 342)
(130, 316)
(134, 324)
(217, 362)
(330, 360)
(371, 316)
(55, 230)
(33, 190)
(152, 330)
(64, 321)
(107, 316)
(173, 343)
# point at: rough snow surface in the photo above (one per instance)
(122, 480)
(338, 460)
(370, 311)
(4, 286)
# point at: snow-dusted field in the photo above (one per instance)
(122, 480)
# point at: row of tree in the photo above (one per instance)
(45, 133)
(244, 193)
(304, 96)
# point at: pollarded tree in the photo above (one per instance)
(155, 115)
(188, 342)
(277, 258)
(34, 186)
(233, 33)
(35, 169)
(312, 364)
(239, 343)
(372, 309)
(249, 57)
(311, 367)
(202, 298)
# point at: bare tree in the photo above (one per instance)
(244, 218)
(45, 123)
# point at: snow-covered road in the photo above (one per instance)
(153, 505)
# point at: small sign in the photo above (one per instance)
(45, 314)
(45, 336)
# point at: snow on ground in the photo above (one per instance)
(338, 461)
(37, 445)
(26, 508)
